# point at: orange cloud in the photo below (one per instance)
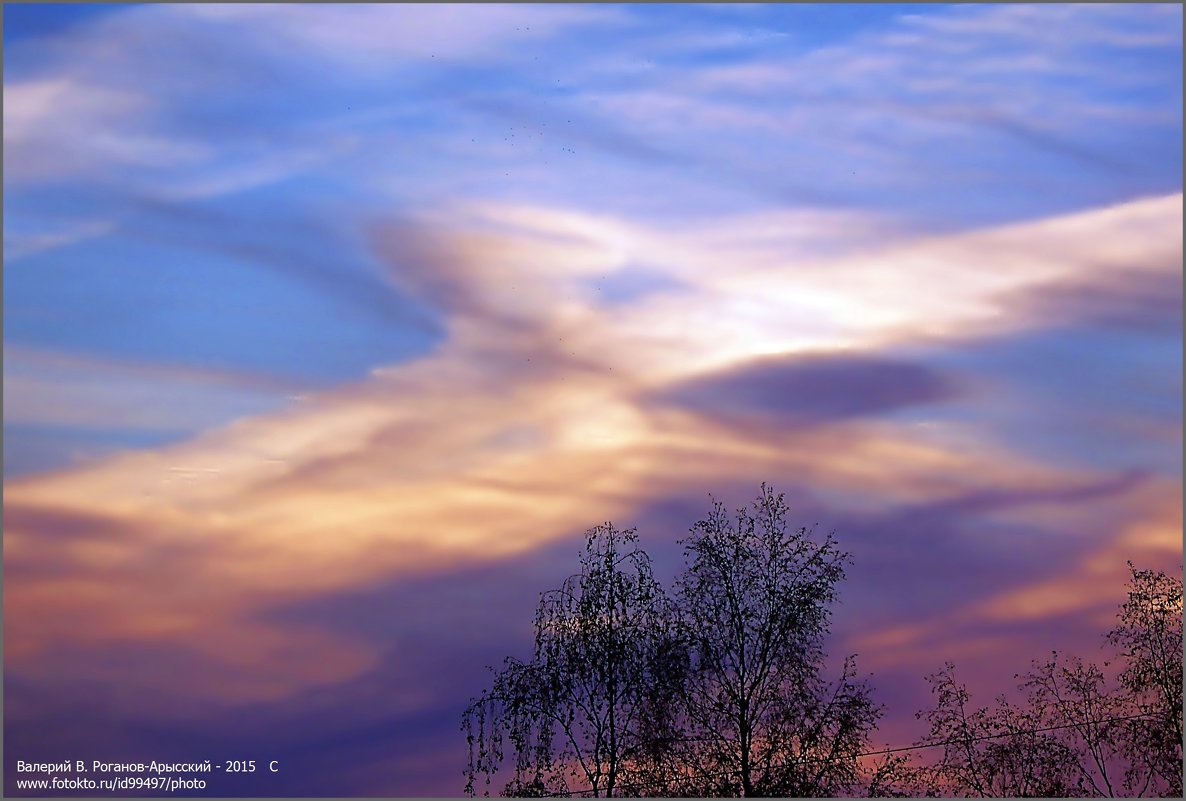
(534, 420)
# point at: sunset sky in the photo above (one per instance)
(328, 330)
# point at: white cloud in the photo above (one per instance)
(20, 241)
(426, 465)
(933, 93)
(58, 127)
(375, 37)
(31, 107)
(852, 120)
(49, 388)
(776, 284)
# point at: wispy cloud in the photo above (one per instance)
(386, 302)
(428, 446)
(19, 243)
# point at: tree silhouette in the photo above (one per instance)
(720, 689)
(586, 706)
(1085, 729)
(993, 753)
(1148, 637)
(758, 718)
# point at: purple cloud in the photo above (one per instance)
(812, 390)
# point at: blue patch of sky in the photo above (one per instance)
(808, 25)
(32, 20)
(1122, 372)
(412, 126)
(631, 284)
(421, 110)
(30, 449)
(305, 308)
(1074, 395)
(36, 206)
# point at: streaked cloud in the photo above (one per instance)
(809, 391)
(531, 420)
(55, 388)
(329, 329)
(376, 450)
(24, 243)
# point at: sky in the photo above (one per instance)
(328, 330)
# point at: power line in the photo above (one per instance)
(954, 741)
(994, 736)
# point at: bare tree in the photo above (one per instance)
(996, 752)
(1148, 637)
(1107, 730)
(758, 717)
(720, 691)
(587, 706)
(1087, 716)
(1125, 729)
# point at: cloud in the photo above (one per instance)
(769, 303)
(118, 100)
(195, 579)
(1141, 523)
(298, 247)
(932, 105)
(797, 283)
(1142, 298)
(846, 125)
(523, 321)
(20, 243)
(370, 37)
(1114, 26)
(52, 388)
(815, 242)
(811, 389)
(45, 121)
